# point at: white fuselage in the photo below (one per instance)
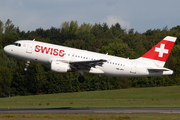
(115, 66)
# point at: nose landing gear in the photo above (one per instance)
(27, 64)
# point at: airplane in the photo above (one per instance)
(65, 59)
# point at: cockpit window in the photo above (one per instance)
(17, 44)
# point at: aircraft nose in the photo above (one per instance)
(6, 49)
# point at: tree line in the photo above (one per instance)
(100, 38)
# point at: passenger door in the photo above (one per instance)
(29, 47)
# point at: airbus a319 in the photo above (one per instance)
(65, 59)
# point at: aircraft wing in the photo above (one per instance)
(86, 65)
(83, 65)
(89, 63)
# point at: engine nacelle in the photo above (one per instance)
(61, 67)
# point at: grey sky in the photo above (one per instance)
(138, 14)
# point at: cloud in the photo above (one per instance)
(112, 20)
(20, 4)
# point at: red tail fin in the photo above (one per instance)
(162, 50)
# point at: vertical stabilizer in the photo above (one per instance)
(160, 52)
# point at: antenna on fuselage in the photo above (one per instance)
(34, 39)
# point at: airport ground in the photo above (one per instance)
(163, 97)
(133, 97)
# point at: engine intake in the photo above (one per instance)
(61, 67)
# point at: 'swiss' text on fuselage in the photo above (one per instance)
(49, 50)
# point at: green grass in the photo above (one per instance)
(133, 97)
(95, 116)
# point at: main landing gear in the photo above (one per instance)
(81, 78)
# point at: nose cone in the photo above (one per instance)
(10, 50)
(5, 49)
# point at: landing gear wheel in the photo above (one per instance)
(81, 79)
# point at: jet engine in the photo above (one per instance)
(61, 67)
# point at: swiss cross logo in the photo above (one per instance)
(161, 50)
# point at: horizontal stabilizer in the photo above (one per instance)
(158, 69)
